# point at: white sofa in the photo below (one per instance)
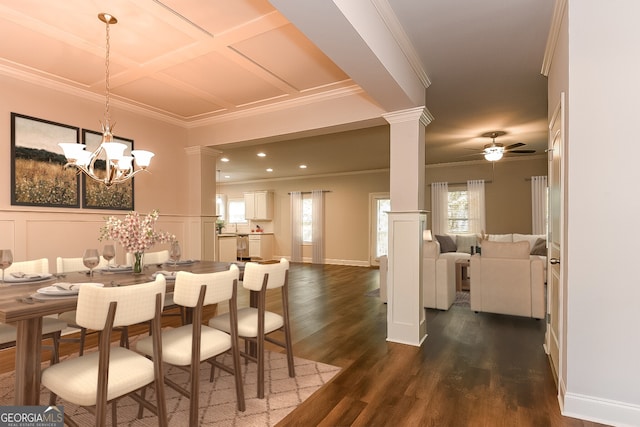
(505, 279)
(439, 269)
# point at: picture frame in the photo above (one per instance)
(38, 173)
(98, 196)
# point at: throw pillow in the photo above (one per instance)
(539, 248)
(446, 244)
(465, 241)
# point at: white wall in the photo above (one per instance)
(603, 372)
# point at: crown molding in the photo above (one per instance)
(552, 38)
(397, 31)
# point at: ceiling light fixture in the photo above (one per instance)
(224, 159)
(494, 151)
(302, 166)
(118, 167)
(261, 155)
(269, 170)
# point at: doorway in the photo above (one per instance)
(379, 205)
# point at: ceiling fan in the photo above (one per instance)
(494, 151)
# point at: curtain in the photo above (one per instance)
(477, 220)
(317, 226)
(296, 226)
(439, 207)
(538, 204)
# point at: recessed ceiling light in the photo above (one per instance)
(269, 170)
(262, 155)
(227, 176)
(302, 166)
(224, 159)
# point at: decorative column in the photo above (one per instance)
(201, 228)
(406, 321)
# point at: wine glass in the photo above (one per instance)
(175, 253)
(6, 259)
(91, 259)
(109, 253)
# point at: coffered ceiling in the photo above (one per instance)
(189, 61)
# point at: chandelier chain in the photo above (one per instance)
(107, 114)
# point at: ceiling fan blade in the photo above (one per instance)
(520, 151)
(516, 145)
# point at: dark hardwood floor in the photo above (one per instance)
(472, 370)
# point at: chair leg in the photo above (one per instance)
(55, 354)
(260, 356)
(83, 336)
(114, 413)
(289, 349)
(194, 391)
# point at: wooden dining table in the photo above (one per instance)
(27, 315)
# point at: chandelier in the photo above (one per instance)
(118, 167)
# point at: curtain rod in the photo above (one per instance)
(309, 192)
(462, 183)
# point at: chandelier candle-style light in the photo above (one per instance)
(119, 168)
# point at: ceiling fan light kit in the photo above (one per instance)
(494, 151)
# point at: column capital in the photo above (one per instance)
(412, 114)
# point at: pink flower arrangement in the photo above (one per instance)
(135, 233)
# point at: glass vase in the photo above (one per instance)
(138, 262)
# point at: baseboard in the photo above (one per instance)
(354, 263)
(600, 410)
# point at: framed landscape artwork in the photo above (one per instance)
(38, 175)
(96, 195)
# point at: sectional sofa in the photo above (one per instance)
(439, 263)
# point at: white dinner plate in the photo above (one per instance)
(168, 275)
(65, 289)
(28, 278)
(117, 268)
(182, 262)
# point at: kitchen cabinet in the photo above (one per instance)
(227, 248)
(261, 246)
(258, 205)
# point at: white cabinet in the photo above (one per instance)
(227, 249)
(258, 205)
(261, 246)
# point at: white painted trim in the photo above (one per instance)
(397, 32)
(552, 38)
(603, 411)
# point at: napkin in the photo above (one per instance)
(21, 275)
(67, 286)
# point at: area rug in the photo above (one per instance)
(217, 400)
(462, 299)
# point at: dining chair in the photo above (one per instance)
(256, 324)
(189, 345)
(69, 265)
(40, 266)
(159, 258)
(96, 379)
(51, 327)
(151, 258)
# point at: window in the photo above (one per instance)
(236, 211)
(307, 219)
(221, 211)
(382, 226)
(458, 211)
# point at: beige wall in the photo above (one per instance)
(508, 199)
(34, 232)
(507, 192)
